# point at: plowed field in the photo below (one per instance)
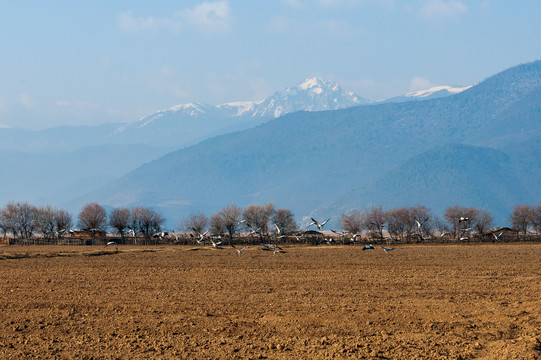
(417, 302)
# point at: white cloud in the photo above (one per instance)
(420, 83)
(130, 23)
(26, 100)
(208, 16)
(438, 9)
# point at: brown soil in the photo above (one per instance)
(417, 302)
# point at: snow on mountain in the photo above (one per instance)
(313, 94)
(433, 90)
(197, 121)
(431, 93)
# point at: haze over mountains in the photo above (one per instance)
(472, 146)
(479, 147)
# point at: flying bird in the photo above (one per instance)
(112, 243)
(354, 237)
(318, 224)
(368, 247)
(299, 237)
(253, 231)
(239, 251)
(270, 246)
(202, 237)
(216, 245)
(496, 237)
(386, 249)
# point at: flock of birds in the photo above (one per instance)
(217, 243)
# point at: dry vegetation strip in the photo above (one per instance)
(454, 301)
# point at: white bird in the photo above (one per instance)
(270, 246)
(216, 245)
(354, 237)
(419, 227)
(253, 231)
(239, 251)
(112, 243)
(497, 236)
(318, 224)
(386, 249)
(462, 219)
(299, 237)
(202, 237)
(368, 247)
(235, 220)
(160, 234)
(279, 232)
(276, 251)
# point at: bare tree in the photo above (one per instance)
(422, 217)
(195, 222)
(483, 221)
(285, 220)
(146, 221)
(93, 217)
(352, 222)
(46, 221)
(258, 218)
(7, 219)
(537, 218)
(63, 221)
(439, 227)
(460, 218)
(230, 218)
(120, 220)
(22, 219)
(521, 218)
(375, 221)
(217, 225)
(401, 224)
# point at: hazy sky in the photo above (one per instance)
(89, 62)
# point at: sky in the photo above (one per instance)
(93, 62)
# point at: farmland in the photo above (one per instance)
(459, 301)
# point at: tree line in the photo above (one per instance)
(416, 223)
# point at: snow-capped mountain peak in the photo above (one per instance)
(312, 94)
(431, 93)
(428, 92)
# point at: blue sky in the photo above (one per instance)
(90, 62)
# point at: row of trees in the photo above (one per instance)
(232, 219)
(24, 220)
(526, 218)
(407, 223)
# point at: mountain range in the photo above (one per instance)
(479, 147)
